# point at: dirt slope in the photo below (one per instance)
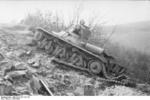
(18, 62)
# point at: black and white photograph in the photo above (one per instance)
(74, 48)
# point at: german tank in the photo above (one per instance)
(69, 50)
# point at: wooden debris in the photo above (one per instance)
(46, 87)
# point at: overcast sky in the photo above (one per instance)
(113, 12)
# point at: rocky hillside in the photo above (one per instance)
(23, 66)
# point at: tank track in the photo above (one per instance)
(125, 83)
(72, 55)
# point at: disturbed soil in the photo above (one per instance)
(22, 65)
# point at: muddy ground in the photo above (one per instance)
(22, 65)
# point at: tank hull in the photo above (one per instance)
(67, 52)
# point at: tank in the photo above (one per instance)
(69, 50)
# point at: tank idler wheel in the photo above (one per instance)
(56, 49)
(38, 36)
(95, 67)
(72, 58)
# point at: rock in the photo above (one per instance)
(144, 87)
(32, 43)
(34, 63)
(22, 53)
(46, 62)
(20, 66)
(69, 94)
(5, 64)
(1, 57)
(13, 66)
(50, 67)
(10, 54)
(57, 77)
(17, 76)
(79, 91)
(19, 53)
(89, 90)
(6, 87)
(5, 90)
(16, 73)
(1, 73)
(35, 85)
(41, 71)
(60, 86)
(101, 87)
(30, 61)
(29, 52)
(7, 67)
(91, 81)
(67, 80)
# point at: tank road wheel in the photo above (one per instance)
(77, 60)
(72, 55)
(49, 47)
(42, 44)
(61, 53)
(72, 58)
(57, 47)
(95, 67)
(38, 36)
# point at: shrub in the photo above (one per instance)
(46, 21)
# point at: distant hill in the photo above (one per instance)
(133, 35)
